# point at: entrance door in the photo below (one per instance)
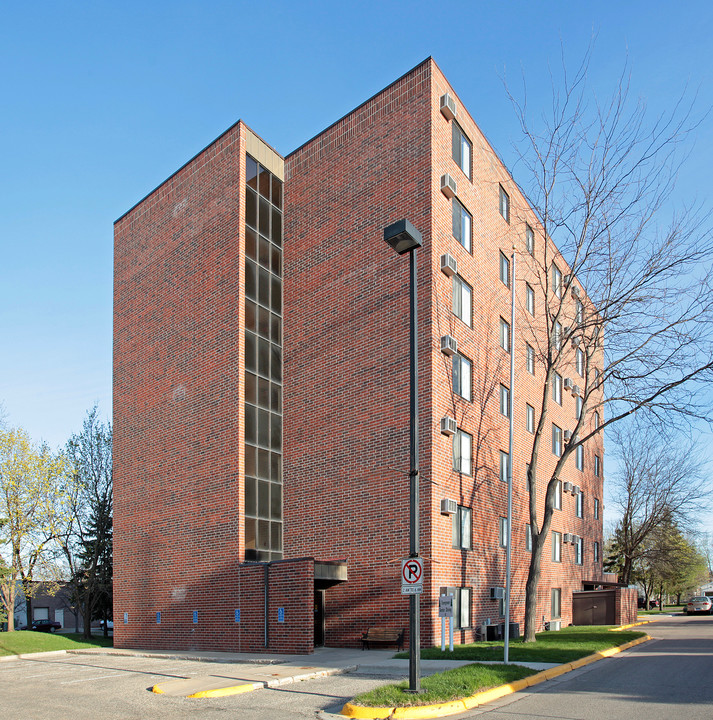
(319, 618)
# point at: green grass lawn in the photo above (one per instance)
(665, 609)
(562, 646)
(450, 685)
(552, 647)
(27, 641)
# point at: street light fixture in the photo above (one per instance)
(404, 238)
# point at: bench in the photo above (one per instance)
(382, 635)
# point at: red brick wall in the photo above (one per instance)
(346, 351)
(626, 605)
(178, 369)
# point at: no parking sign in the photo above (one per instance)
(412, 576)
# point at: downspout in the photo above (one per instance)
(267, 604)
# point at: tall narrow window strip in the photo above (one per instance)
(556, 440)
(579, 551)
(530, 299)
(504, 466)
(557, 388)
(556, 546)
(556, 604)
(463, 528)
(580, 504)
(530, 359)
(580, 457)
(462, 373)
(558, 495)
(580, 362)
(530, 239)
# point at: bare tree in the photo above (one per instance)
(661, 482)
(627, 284)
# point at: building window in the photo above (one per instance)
(596, 552)
(530, 239)
(557, 388)
(530, 418)
(504, 270)
(578, 407)
(556, 546)
(579, 497)
(579, 312)
(596, 421)
(579, 551)
(504, 334)
(555, 603)
(596, 508)
(580, 457)
(503, 532)
(580, 363)
(556, 281)
(461, 611)
(556, 440)
(528, 537)
(557, 335)
(462, 225)
(504, 465)
(597, 466)
(558, 495)
(530, 359)
(462, 149)
(462, 452)
(263, 363)
(504, 401)
(462, 300)
(463, 528)
(504, 204)
(530, 299)
(462, 374)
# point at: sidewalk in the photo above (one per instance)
(244, 672)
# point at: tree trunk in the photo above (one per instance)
(533, 580)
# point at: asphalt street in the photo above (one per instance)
(670, 677)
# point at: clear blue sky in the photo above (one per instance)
(102, 101)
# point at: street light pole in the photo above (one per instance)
(404, 238)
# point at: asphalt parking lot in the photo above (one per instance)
(75, 687)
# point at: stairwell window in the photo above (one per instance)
(504, 401)
(505, 335)
(530, 299)
(504, 270)
(530, 418)
(556, 547)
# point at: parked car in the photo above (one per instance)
(653, 603)
(699, 604)
(42, 626)
(109, 624)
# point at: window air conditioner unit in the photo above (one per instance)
(568, 383)
(576, 390)
(575, 291)
(555, 624)
(449, 345)
(567, 538)
(567, 487)
(567, 435)
(448, 426)
(497, 593)
(576, 341)
(448, 186)
(576, 490)
(449, 265)
(448, 507)
(448, 106)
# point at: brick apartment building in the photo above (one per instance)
(261, 399)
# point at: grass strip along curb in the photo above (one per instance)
(417, 712)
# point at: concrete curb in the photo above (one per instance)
(161, 689)
(171, 656)
(31, 656)
(457, 706)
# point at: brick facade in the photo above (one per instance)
(179, 394)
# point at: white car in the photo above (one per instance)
(699, 604)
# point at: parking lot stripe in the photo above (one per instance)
(100, 677)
